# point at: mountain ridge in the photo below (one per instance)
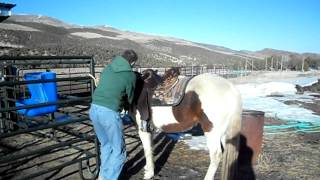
(42, 35)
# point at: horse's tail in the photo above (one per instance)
(232, 144)
(230, 158)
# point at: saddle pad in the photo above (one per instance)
(179, 89)
(174, 96)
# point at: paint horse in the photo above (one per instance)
(209, 100)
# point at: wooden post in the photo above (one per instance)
(246, 66)
(192, 69)
(302, 66)
(266, 66)
(281, 65)
(251, 65)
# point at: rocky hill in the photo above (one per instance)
(39, 35)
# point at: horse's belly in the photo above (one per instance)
(162, 116)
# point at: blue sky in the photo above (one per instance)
(292, 25)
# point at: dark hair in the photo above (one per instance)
(130, 56)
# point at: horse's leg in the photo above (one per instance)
(146, 139)
(215, 152)
(223, 134)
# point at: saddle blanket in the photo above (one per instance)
(172, 96)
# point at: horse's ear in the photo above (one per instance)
(177, 71)
(146, 74)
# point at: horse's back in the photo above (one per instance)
(212, 85)
(220, 100)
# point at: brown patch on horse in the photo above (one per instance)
(188, 113)
(206, 125)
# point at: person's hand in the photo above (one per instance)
(125, 104)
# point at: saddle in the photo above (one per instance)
(170, 92)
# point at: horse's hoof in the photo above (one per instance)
(150, 177)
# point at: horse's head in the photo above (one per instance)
(151, 78)
(146, 83)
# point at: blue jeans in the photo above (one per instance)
(108, 128)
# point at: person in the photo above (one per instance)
(117, 81)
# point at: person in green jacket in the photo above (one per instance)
(117, 82)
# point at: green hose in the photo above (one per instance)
(305, 127)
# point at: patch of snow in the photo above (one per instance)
(16, 27)
(158, 48)
(189, 43)
(43, 19)
(279, 76)
(2, 44)
(90, 35)
(304, 81)
(256, 96)
(266, 89)
(275, 108)
(197, 143)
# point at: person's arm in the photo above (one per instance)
(130, 89)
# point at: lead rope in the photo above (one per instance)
(94, 79)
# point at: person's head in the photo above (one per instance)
(130, 56)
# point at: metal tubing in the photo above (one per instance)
(4, 58)
(72, 133)
(64, 102)
(40, 127)
(98, 162)
(61, 166)
(48, 63)
(11, 83)
(8, 158)
(92, 72)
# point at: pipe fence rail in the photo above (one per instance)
(60, 136)
(57, 135)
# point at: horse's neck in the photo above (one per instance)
(162, 115)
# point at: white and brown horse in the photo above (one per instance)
(209, 100)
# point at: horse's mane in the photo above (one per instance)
(169, 78)
(171, 73)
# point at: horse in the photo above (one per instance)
(209, 100)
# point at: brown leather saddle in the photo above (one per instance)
(170, 93)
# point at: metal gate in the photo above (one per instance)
(44, 126)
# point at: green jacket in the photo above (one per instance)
(116, 81)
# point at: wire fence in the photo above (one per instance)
(218, 69)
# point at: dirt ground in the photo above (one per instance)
(290, 154)
(285, 155)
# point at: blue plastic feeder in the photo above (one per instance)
(39, 93)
